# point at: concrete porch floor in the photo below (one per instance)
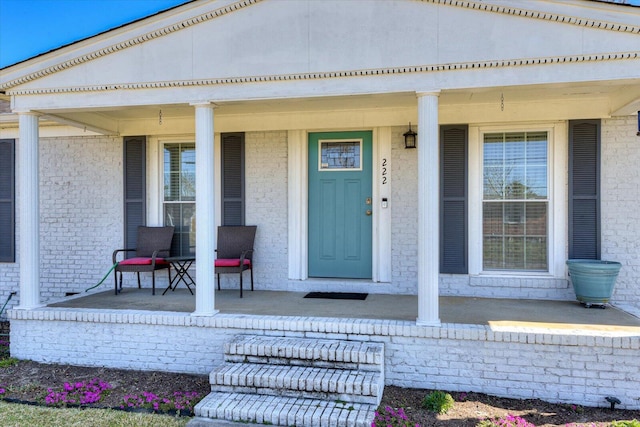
(499, 314)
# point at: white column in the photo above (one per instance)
(29, 205)
(205, 211)
(297, 204)
(428, 209)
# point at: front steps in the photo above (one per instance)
(295, 382)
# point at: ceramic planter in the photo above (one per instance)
(593, 280)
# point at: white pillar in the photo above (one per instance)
(297, 204)
(205, 211)
(29, 205)
(428, 209)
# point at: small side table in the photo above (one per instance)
(181, 264)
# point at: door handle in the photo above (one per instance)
(368, 212)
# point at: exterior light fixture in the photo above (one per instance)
(410, 138)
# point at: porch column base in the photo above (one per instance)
(434, 324)
(205, 313)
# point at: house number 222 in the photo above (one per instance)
(384, 171)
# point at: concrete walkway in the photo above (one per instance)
(498, 313)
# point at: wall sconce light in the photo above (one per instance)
(410, 138)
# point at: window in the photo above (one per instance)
(179, 204)
(179, 194)
(340, 155)
(7, 200)
(515, 202)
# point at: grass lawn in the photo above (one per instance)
(14, 415)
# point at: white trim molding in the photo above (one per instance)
(557, 210)
(369, 72)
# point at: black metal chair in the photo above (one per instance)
(235, 251)
(154, 243)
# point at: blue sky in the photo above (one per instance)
(31, 27)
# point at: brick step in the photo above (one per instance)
(301, 381)
(305, 352)
(281, 411)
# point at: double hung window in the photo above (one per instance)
(179, 194)
(515, 202)
(179, 203)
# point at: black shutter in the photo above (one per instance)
(453, 199)
(232, 178)
(7, 200)
(134, 188)
(584, 189)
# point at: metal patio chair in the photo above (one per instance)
(154, 244)
(235, 251)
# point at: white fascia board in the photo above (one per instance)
(410, 81)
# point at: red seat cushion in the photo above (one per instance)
(233, 262)
(141, 261)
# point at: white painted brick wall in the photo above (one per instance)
(583, 372)
(620, 187)
(81, 215)
(506, 287)
(404, 211)
(81, 211)
(266, 206)
(557, 366)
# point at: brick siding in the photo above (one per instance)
(570, 367)
(620, 201)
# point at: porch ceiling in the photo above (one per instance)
(620, 97)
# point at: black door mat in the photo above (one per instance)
(337, 295)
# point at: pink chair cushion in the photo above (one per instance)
(234, 262)
(141, 261)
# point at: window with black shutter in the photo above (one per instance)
(232, 178)
(584, 189)
(453, 199)
(134, 187)
(7, 200)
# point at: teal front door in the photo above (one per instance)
(340, 207)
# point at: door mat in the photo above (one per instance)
(337, 295)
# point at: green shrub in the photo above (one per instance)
(5, 363)
(632, 423)
(508, 421)
(438, 401)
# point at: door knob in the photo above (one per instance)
(368, 212)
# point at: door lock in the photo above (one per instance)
(367, 201)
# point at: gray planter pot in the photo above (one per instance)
(593, 280)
